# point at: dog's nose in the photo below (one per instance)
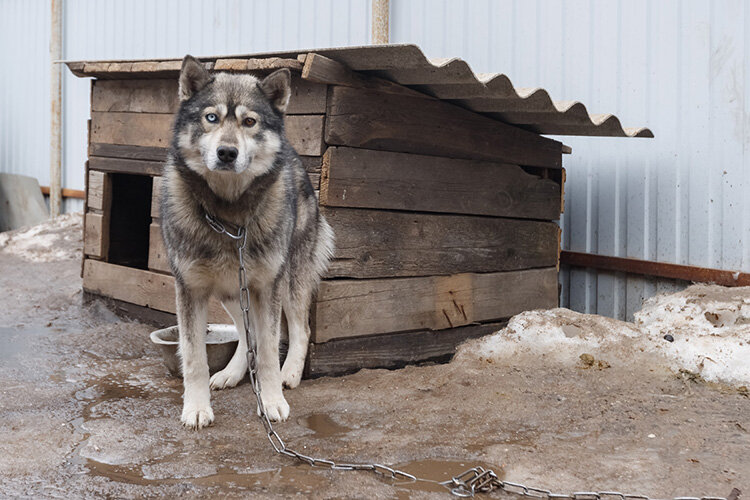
(227, 154)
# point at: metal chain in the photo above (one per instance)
(466, 484)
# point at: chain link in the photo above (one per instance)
(466, 484)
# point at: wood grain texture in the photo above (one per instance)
(140, 287)
(353, 308)
(157, 253)
(154, 130)
(343, 356)
(123, 165)
(305, 133)
(135, 96)
(155, 193)
(366, 178)
(128, 152)
(377, 243)
(321, 69)
(99, 190)
(96, 235)
(160, 96)
(377, 120)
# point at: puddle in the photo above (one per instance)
(431, 472)
(322, 425)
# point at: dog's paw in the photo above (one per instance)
(276, 407)
(229, 376)
(197, 418)
(291, 375)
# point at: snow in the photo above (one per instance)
(709, 325)
(55, 240)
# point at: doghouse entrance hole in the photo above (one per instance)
(130, 220)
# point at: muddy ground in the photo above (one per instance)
(87, 409)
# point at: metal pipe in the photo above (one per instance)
(380, 21)
(55, 144)
(655, 269)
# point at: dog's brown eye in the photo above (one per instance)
(248, 122)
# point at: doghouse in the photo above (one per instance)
(441, 190)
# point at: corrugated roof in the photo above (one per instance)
(451, 80)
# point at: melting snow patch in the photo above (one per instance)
(707, 330)
(54, 240)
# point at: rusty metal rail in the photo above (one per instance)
(655, 269)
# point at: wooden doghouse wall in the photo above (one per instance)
(443, 217)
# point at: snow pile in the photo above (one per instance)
(57, 239)
(710, 326)
(704, 329)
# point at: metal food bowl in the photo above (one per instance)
(221, 342)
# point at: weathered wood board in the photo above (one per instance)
(350, 308)
(96, 235)
(160, 96)
(125, 166)
(305, 132)
(377, 120)
(378, 243)
(140, 287)
(339, 357)
(157, 253)
(365, 178)
(128, 152)
(99, 190)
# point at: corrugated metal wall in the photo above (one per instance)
(677, 66)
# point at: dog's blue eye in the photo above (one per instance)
(212, 118)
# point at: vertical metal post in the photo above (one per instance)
(55, 144)
(380, 21)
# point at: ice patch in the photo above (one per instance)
(707, 330)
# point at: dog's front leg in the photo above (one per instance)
(267, 309)
(191, 318)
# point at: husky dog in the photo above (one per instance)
(230, 158)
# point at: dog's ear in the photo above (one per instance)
(278, 88)
(193, 77)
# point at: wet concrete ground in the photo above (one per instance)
(87, 410)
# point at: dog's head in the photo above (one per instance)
(230, 123)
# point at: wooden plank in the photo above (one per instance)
(374, 243)
(376, 120)
(135, 96)
(127, 152)
(140, 287)
(308, 98)
(99, 190)
(401, 181)
(353, 308)
(321, 69)
(160, 96)
(266, 64)
(135, 129)
(157, 253)
(154, 130)
(155, 194)
(122, 165)
(96, 235)
(396, 350)
(305, 133)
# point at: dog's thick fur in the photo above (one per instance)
(262, 186)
